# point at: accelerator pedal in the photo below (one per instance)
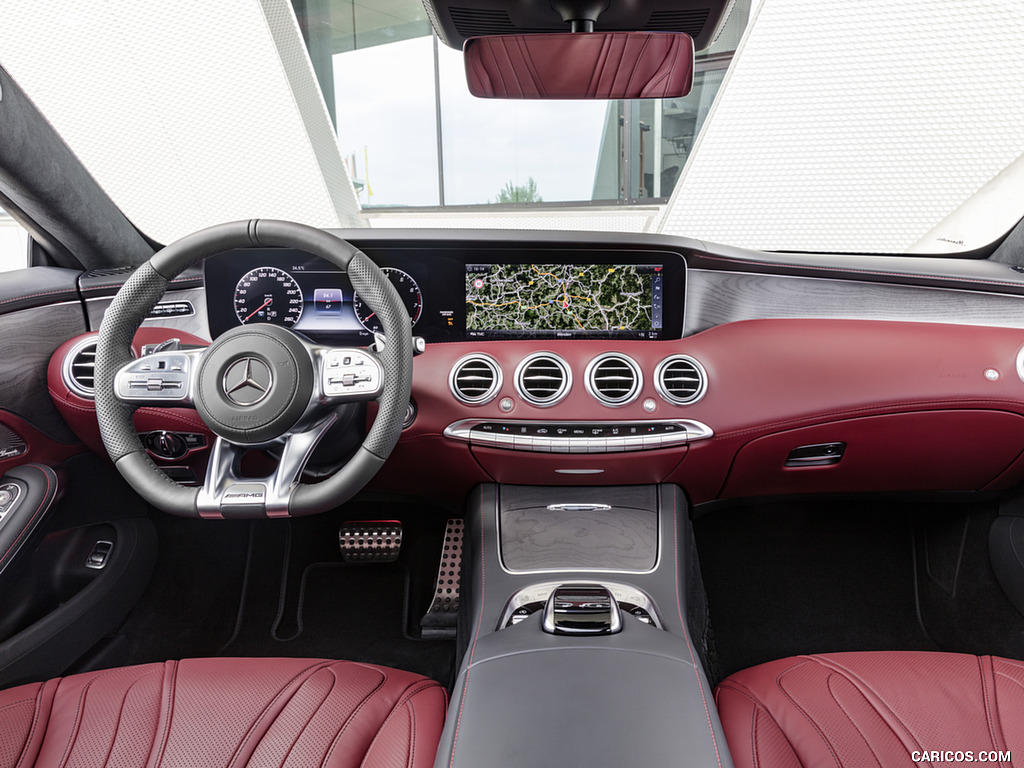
(370, 541)
(442, 618)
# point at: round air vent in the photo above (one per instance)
(680, 379)
(475, 379)
(543, 379)
(78, 370)
(613, 379)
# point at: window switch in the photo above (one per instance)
(99, 555)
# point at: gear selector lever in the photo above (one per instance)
(582, 609)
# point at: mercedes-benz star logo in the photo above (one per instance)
(247, 381)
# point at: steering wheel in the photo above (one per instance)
(254, 386)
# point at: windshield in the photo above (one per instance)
(412, 135)
(858, 128)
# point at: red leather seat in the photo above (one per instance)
(225, 712)
(874, 709)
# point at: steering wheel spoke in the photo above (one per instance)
(163, 379)
(227, 494)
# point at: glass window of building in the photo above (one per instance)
(13, 244)
(413, 136)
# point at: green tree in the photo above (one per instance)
(520, 193)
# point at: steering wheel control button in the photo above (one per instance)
(351, 373)
(578, 437)
(248, 381)
(156, 378)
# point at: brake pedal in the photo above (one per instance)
(370, 541)
(442, 618)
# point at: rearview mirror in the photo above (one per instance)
(580, 65)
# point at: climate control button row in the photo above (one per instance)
(578, 436)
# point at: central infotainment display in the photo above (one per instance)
(457, 292)
(516, 300)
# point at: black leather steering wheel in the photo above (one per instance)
(256, 385)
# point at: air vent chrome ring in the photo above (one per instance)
(543, 372)
(78, 366)
(475, 379)
(613, 379)
(680, 380)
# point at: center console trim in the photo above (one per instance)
(520, 572)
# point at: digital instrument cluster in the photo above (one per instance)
(456, 294)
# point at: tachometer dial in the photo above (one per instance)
(407, 290)
(268, 295)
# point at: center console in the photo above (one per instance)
(578, 649)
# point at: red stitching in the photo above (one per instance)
(43, 503)
(686, 631)
(403, 702)
(35, 724)
(843, 271)
(880, 409)
(356, 711)
(63, 292)
(312, 669)
(170, 708)
(197, 280)
(989, 706)
(480, 619)
(867, 741)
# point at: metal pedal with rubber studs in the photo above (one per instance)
(442, 618)
(370, 541)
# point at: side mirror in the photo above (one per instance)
(580, 65)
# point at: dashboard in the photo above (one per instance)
(603, 359)
(458, 294)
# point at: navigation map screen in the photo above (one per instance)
(564, 301)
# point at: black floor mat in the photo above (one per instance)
(809, 577)
(279, 588)
(962, 604)
(300, 599)
(353, 612)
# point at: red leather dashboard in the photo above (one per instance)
(918, 406)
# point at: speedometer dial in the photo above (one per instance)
(268, 295)
(407, 290)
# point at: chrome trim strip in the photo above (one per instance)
(691, 431)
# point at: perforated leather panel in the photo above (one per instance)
(871, 709)
(226, 712)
